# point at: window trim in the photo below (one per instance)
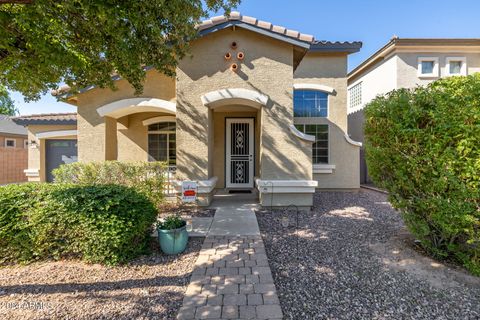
(463, 69)
(319, 165)
(435, 72)
(313, 86)
(10, 139)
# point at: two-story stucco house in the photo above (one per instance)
(405, 63)
(255, 106)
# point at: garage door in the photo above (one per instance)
(59, 152)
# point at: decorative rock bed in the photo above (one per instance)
(352, 258)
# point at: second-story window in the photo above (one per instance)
(428, 67)
(310, 103)
(456, 66)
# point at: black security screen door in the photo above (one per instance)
(239, 153)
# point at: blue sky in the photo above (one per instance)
(373, 22)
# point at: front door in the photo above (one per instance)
(240, 147)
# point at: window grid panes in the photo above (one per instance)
(320, 146)
(310, 103)
(355, 93)
(162, 142)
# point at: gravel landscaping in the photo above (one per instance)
(352, 258)
(151, 287)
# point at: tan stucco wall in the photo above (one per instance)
(408, 64)
(331, 71)
(94, 133)
(132, 136)
(219, 142)
(36, 156)
(267, 68)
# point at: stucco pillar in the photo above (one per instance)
(111, 149)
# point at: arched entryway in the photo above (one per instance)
(234, 138)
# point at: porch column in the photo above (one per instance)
(111, 149)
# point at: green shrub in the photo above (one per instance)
(423, 146)
(107, 224)
(148, 178)
(171, 222)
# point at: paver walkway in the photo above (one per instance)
(232, 279)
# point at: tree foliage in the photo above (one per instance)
(422, 145)
(7, 106)
(84, 42)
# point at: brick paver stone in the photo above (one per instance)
(231, 280)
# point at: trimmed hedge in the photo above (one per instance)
(423, 146)
(148, 178)
(107, 224)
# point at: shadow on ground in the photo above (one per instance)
(151, 287)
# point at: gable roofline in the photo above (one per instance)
(410, 43)
(268, 29)
(254, 28)
(304, 41)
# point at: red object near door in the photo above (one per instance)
(189, 193)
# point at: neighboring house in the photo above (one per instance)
(405, 63)
(13, 151)
(255, 106)
(53, 141)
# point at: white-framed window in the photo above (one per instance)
(10, 143)
(355, 95)
(428, 67)
(456, 66)
(162, 142)
(320, 148)
(25, 143)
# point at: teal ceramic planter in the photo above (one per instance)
(173, 241)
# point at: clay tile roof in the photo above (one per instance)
(46, 118)
(336, 46)
(237, 16)
(10, 127)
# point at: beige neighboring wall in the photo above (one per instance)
(36, 156)
(331, 70)
(97, 139)
(408, 64)
(381, 78)
(267, 68)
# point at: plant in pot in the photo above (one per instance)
(172, 234)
